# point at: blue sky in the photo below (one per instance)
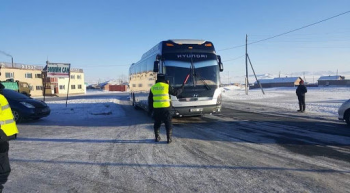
(105, 37)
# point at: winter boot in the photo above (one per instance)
(169, 136)
(156, 134)
(303, 108)
(157, 138)
(300, 108)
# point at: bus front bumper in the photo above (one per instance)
(195, 110)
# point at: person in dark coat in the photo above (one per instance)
(159, 104)
(301, 90)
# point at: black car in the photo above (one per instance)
(24, 107)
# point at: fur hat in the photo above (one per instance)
(160, 78)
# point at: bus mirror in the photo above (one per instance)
(156, 66)
(221, 66)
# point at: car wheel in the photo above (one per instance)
(17, 116)
(347, 117)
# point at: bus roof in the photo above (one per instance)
(187, 41)
(159, 47)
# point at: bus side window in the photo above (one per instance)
(149, 65)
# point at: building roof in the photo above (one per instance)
(279, 80)
(338, 77)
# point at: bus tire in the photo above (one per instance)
(134, 103)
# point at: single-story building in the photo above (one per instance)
(333, 81)
(113, 87)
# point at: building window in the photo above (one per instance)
(39, 88)
(62, 87)
(9, 75)
(78, 76)
(72, 76)
(140, 85)
(134, 85)
(72, 86)
(79, 86)
(28, 75)
(60, 77)
(38, 76)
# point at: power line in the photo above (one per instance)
(287, 31)
(234, 58)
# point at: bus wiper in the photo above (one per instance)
(201, 79)
(193, 72)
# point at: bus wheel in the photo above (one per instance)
(134, 103)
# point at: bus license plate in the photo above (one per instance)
(196, 110)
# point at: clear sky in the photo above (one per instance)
(104, 37)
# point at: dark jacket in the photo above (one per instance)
(301, 90)
(172, 91)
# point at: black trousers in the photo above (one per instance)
(301, 99)
(162, 115)
(5, 168)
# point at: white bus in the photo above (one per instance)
(177, 59)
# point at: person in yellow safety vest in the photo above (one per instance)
(8, 131)
(159, 104)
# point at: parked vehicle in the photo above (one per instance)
(21, 87)
(24, 107)
(344, 112)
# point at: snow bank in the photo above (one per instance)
(85, 108)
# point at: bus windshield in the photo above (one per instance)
(204, 73)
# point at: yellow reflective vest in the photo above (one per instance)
(7, 122)
(161, 98)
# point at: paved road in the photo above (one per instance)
(236, 151)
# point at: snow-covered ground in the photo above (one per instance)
(323, 101)
(99, 143)
(320, 101)
(85, 108)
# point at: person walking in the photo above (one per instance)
(301, 90)
(8, 131)
(159, 103)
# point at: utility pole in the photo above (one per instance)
(256, 78)
(246, 68)
(246, 64)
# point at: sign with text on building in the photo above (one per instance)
(58, 70)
